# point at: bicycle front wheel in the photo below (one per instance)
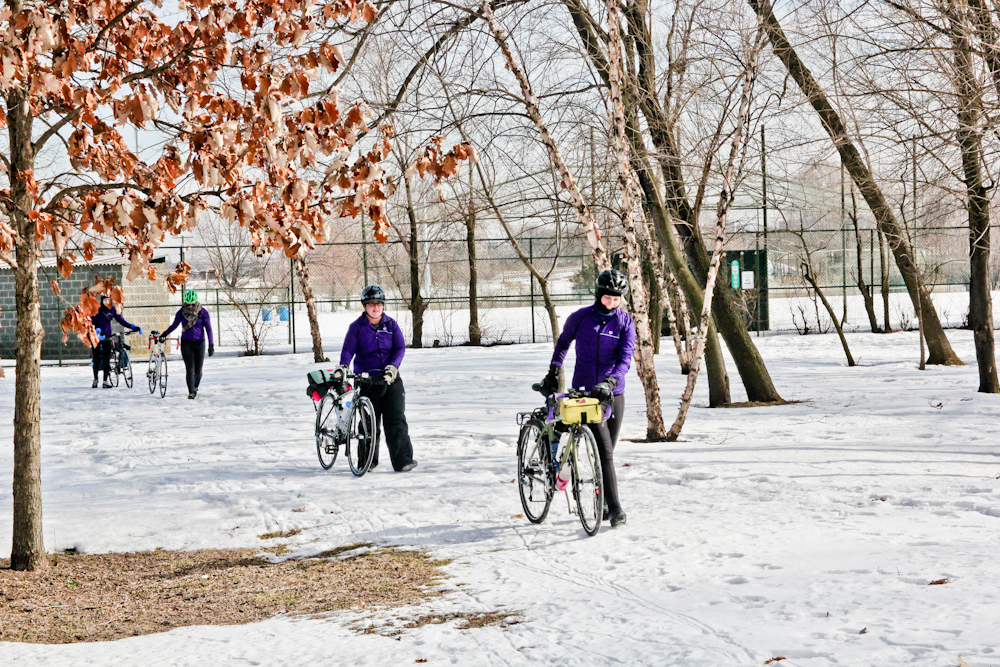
(163, 377)
(152, 373)
(534, 471)
(588, 483)
(326, 432)
(114, 367)
(361, 446)
(127, 370)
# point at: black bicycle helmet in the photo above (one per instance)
(611, 282)
(372, 293)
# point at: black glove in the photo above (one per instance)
(603, 391)
(211, 349)
(551, 382)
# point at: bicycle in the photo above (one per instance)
(119, 363)
(343, 418)
(564, 421)
(156, 369)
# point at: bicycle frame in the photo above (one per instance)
(345, 403)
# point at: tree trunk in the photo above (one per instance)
(475, 333)
(305, 282)
(644, 356)
(550, 310)
(831, 312)
(970, 140)
(28, 545)
(416, 304)
(938, 345)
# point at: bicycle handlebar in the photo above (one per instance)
(570, 393)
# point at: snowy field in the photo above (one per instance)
(514, 324)
(768, 532)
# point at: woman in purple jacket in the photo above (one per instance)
(375, 342)
(102, 323)
(605, 339)
(197, 327)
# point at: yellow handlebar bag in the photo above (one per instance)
(580, 411)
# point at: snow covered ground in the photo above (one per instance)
(768, 532)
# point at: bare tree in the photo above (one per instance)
(736, 152)
(305, 282)
(940, 348)
(809, 275)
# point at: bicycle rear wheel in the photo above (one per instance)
(360, 448)
(326, 432)
(152, 373)
(163, 377)
(588, 483)
(127, 369)
(534, 471)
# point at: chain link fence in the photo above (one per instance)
(258, 308)
(838, 258)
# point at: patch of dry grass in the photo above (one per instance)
(279, 533)
(467, 619)
(102, 597)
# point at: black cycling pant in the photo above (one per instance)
(193, 352)
(390, 409)
(102, 357)
(606, 435)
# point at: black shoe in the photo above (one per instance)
(107, 384)
(192, 394)
(607, 514)
(617, 518)
(407, 467)
(94, 386)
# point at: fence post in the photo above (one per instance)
(531, 277)
(843, 245)
(218, 319)
(871, 260)
(291, 302)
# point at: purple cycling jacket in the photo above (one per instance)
(604, 345)
(201, 326)
(373, 347)
(102, 320)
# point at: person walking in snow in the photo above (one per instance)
(197, 326)
(605, 339)
(375, 342)
(102, 323)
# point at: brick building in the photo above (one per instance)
(148, 304)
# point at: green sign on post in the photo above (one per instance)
(734, 274)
